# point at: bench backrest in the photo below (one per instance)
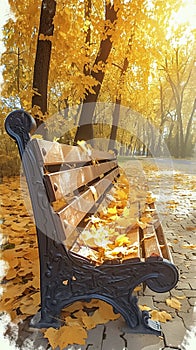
(66, 183)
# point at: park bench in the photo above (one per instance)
(67, 184)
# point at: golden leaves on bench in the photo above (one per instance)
(113, 232)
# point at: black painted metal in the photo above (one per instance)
(67, 277)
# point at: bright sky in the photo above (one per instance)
(186, 14)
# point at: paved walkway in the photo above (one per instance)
(176, 205)
(173, 185)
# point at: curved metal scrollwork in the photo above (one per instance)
(111, 283)
(165, 279)
(19, 124)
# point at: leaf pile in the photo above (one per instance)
(79, 318)
(109, 235)
(112, 232)
(19, 250)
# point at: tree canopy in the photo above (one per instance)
(132, 53)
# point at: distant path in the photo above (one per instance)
(183, 165)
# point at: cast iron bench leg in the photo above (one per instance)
(113, 283)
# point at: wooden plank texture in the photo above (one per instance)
(151, 244)
(160, 236)
(134, 238)
(72, 214)
(55, 153)
(60, 184)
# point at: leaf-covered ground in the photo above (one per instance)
(20, 285)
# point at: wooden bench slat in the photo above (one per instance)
(60, 184)
(160, 236)
(55, 153)
(72, 214)
(163, 243)
(134, 237)
(151, 244)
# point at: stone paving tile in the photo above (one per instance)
(187, 318)
(113, 339)
(189, 275)
(161, 296)
(185, 306)
(192, 283)
(98, 334)
(174, 332)
(183, 285)
(146, 300)
(163, 307)
(186, 267)
(189, 293)
(192, 301)
(143, 342)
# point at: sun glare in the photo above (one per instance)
(185, 15)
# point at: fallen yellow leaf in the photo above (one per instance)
(66, 335)
(112, 211)
(174, 303)
(122, 240)
(137, 289)
(161, 316)
(144, 308)
(120, 194)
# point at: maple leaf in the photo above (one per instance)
(161, 316)
(174, 303)
(66, 335)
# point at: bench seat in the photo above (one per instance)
(68, 187)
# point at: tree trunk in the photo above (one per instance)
(188, 130)
(87, 10)
(42, 60)
(116, 113)
(85, 127)
(115, 120)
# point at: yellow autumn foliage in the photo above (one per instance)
(173, 303)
